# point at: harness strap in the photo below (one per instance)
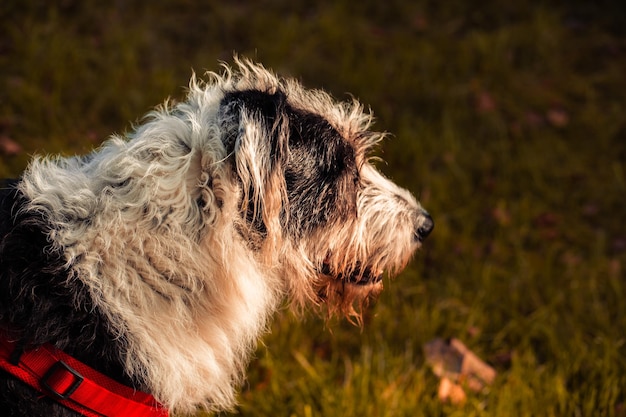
(74, 384)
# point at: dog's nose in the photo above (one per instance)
(426, 226)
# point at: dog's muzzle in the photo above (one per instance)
(360, 276)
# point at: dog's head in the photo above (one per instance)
(311, 200)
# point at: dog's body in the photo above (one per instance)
(159, 258)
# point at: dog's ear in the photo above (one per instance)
(256, 133)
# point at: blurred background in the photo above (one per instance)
(508, 123)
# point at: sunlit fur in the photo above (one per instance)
(188, 235)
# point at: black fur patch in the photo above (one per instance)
(319, 165)
(40, 303)
(263, 106)
(321, 173)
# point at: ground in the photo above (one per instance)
(508, 124)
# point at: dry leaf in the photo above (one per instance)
(558, 117)
(448, 390)
(458, 367)
(9, 147)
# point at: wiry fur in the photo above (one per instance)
(173, 246)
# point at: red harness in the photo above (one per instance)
(74, 384)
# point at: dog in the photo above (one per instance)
(157, 260)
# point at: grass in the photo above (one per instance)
(508, 124)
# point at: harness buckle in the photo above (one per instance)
(52, 379)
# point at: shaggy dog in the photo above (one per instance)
(158, 259)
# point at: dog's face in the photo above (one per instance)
(308, 178)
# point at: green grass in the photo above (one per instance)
(509, 125)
